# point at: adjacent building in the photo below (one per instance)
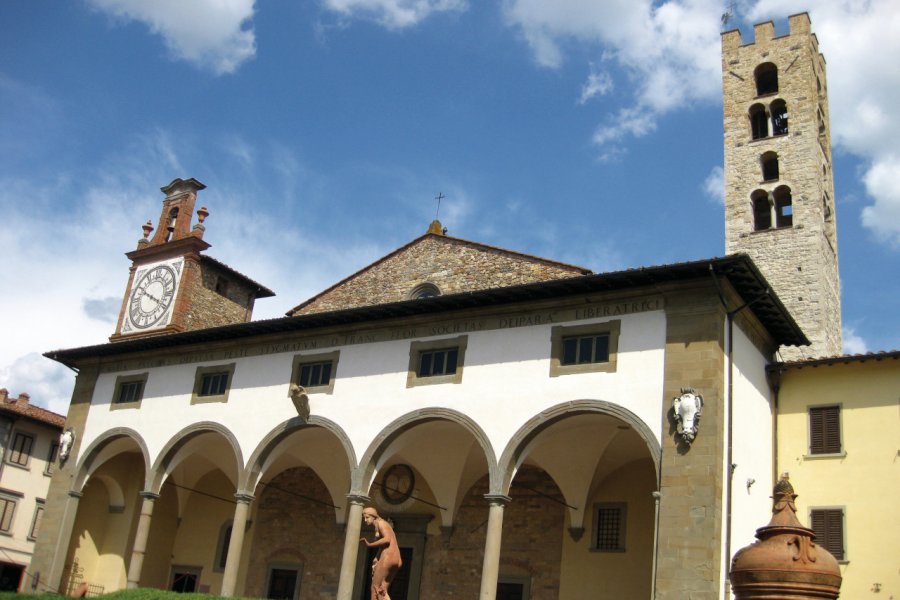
(29, 442)
(839, 439)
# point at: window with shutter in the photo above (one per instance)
(825, 430)
(828, 525)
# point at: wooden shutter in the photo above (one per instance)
(828, 525)
(825, 430)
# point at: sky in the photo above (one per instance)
(584, 131)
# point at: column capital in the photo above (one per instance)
(76, 495)
(497, 499)
(149, 495)
(360, 499)
(244, 498)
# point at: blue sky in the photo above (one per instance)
(584, 131)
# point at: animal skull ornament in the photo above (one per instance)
(688, 407)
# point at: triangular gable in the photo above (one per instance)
(453, 265)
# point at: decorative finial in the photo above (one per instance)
(199, 227)
(437, 228)
(147, 227)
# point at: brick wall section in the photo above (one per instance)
(290, 528)
(453, 265)
(531, 544)
(801, 262)
(208, 308)
(691, 487)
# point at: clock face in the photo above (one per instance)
(152, 296)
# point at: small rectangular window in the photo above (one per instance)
(212, 384)
(828, 525)
(36, 520)
(609, 527)
(51, 459)
(315, 372)
(129, 391)
(825, 430)
(20, 451)
(584, 348)
(440, 361)
(7, 512)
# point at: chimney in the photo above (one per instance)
(4, 394)
(24, 398)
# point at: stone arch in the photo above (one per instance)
(183, 437)
(85, 465)
(250, 476)
(363, 474)
(540, 422)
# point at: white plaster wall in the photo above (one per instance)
(505, 382)
(752, 443)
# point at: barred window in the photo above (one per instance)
(20, 452)
(585, 349)
(828, 525)
(214, 384)
(825, 430)
(51, 459)
(315, 374)
(438, 362)
(609, 527)
(131, 391)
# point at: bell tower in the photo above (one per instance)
(172, 285)
(779, 188)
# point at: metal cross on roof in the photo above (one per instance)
(439, 197)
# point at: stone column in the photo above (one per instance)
(140, 539)
(236, 544)
(351, 546)
(490, 570)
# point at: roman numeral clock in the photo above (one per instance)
(152, 296)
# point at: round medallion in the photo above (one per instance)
(397, 483)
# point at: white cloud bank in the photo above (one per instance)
(214, 34)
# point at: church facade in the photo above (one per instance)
(532, 429)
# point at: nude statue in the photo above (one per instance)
(387, 562)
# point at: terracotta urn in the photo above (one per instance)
(785, 562)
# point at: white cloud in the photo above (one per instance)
(213, 34)
(883, 184)
(598, 83)
(714, 185)
(853, 343)
(394, 14)
(860, 40)
(671, 51)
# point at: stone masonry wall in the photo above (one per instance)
(801, 262)
(453, 265)
(290, 528)
(531, 546)
(691, 486)
(208, 308)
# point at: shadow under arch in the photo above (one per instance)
(178, 441)
(85, 465)
(392, 431)
(540, 422)
(249, 477)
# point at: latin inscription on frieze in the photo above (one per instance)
(589, 310)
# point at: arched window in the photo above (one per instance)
(784, 209)
(826, 207)
(779, 117)
(425, 290)
(762, 211)
(759, 122)
(170, 222)
(766, 76)
(222, 546)
(769, 163)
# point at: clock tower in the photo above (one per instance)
(174, 287)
